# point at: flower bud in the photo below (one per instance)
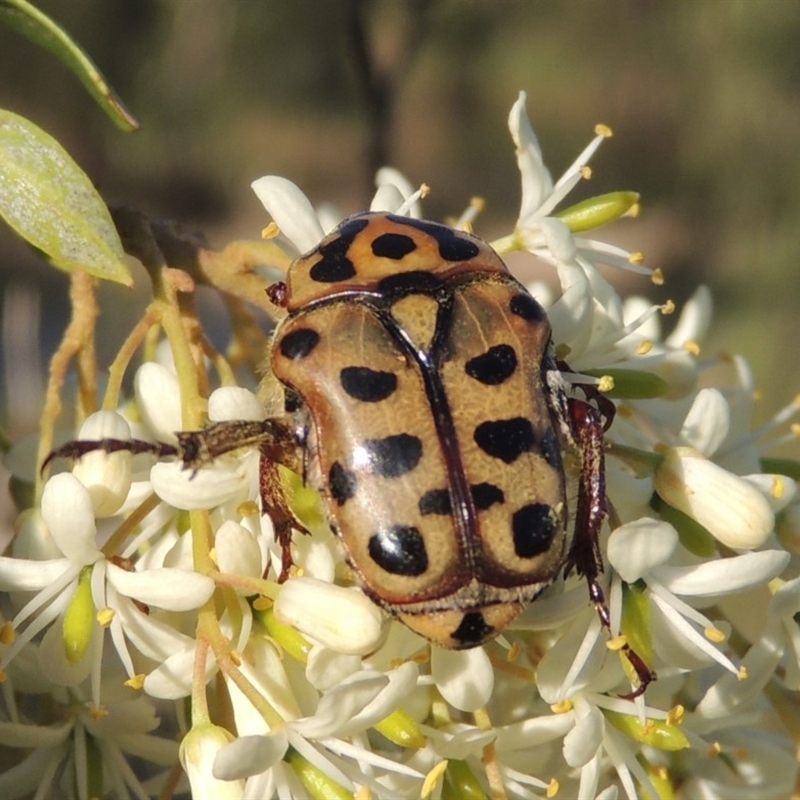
(107, 476)
(197, 752)
(158, 396)
(734, 511)
(345, 620)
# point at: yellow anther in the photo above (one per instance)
(636, 258)
(645, 346)
(236, 658)
(794, 429)
(514, 653)
(249, 508)
(586, 172)
(136, 682)
(603, 130)
(553, 788)
(742, 674)
(657, 277)
(715, 635)
(777, 489)
(271, 231)
(424, 190)
(676, 715)
(8, 633)
(98, 712)
(668, 308)
(606, 383)
(562, 707)
(478, 203)
(104, 617)
(691, 347)
(714, 750)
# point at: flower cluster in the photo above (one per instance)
(132, 583)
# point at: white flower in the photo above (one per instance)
(60, 586)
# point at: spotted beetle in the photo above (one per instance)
(424, 400)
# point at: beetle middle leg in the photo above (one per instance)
(584, 555)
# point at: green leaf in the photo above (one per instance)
(39, 28)
(48, 200)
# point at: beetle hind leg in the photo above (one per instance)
(592, 508)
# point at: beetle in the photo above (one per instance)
(423, 398)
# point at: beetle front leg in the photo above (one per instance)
(276, 440)
(274, 437)
(592, 509)
(275, 503)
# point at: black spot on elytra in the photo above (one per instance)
(393, 245)
(393, 456)
(409, 282)
(334, 265)
(436, 501)
(299, 343)
(485, 495)
(494, 366)
(506, 439)
(367, 385)
(472, 630)
(523, 305)
(453, 245)
(399, 550)
(551, 452)
(342, 483)
(533, 527)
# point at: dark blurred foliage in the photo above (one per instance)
(703, 97)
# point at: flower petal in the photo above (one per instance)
(249, 755)
(170, 589)
(636, 547)
(536, 180)
(583, 741)
(464, 677)
(725, 575)
(222, 481)
(67, 510)
(292, 211)
(237, 552)
(707, 423)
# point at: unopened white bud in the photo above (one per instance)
(731, 508)
(107, 476)
(345, 620)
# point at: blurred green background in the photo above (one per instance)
(703, 97)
